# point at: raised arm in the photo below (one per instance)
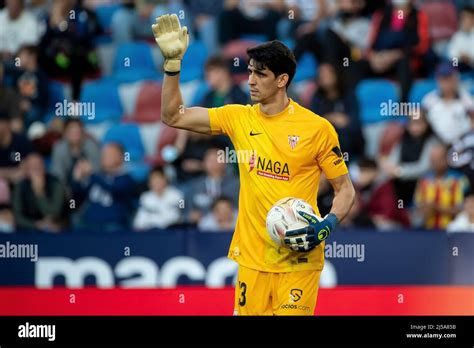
(173, 42)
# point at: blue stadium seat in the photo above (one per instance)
(420, 88)
(129, 136)
(371, 93)
(104, 15)
(193, 62)
(104, 94)
(306, 68)
(258, 38)
(134, 62)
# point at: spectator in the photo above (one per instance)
(67, 46)
(254, 17)
(160, 207)
(213, 184)
(14, 148)
(75, 146)
(18, 27)
(439, 193)
(378, 198)
(339, 106)
(222, 217)
(460, 46)
(7, 219)
(134, 19)
(10, 104)
(464, 221)
(223, 90)
(357, 217)
(107, 194)
(410, 159)
(31, 85)
(205, 21)
(448, 108)
(461, 154)
(398, 43)
(190, 150)
(39, 199)
(303, 18)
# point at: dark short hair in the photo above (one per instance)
(222, 199)
(72, 120)
(367, 163)
(275, 56)
(30, 49)
(217, 62)
(157, 170)
(468, 8)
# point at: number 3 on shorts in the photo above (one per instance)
(243, 289)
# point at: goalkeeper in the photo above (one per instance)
(289, 148)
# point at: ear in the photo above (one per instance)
(283, 80)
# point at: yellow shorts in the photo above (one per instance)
(264, 293)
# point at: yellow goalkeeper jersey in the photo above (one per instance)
(279, 156)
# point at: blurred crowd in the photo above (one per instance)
(413, 165)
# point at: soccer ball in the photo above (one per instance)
(283, 217)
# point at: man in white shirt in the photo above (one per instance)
(17, 28)
(460, 47)
(447, 108)
(464, 221)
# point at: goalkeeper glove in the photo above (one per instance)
(307, 238)
(172, 41)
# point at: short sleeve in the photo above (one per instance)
(224, 119)
(329, 155)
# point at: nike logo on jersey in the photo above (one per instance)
(252, 133)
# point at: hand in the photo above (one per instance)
(38, 184)
(172, 40)
(309, 237)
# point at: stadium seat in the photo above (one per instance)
(420, 88)
(306, 68)
(104, 14)
(148, 104)
(134, 62)
(442, 18)
(258, 38)
(129, 136)
(194, 60)
(371, 93)
(104, 94)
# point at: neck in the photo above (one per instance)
(275, 106)
(332, 93)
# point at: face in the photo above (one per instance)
(35, 166)
(14, 8)
(439, 163)
(215, 76)
(74, 133)
(4, 127)
(417, 127)
(448, 84)
(212, 165)
(466, 21)
(263, 83)
(157, 182)
(223, 212)
(469, 205)
(400, 3)
(327, 76)
(111, 158)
